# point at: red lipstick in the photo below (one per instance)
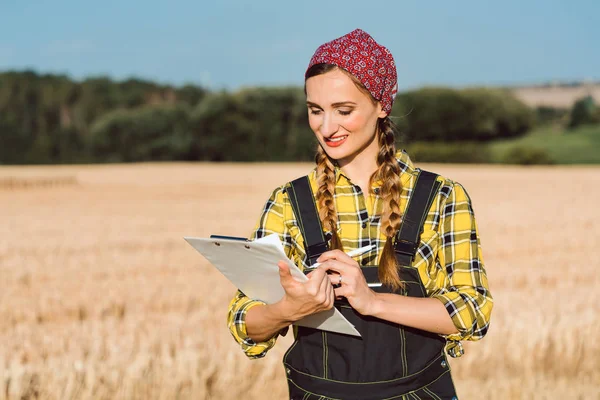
(335, 143)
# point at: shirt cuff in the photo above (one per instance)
(460, 313)
(237, 327)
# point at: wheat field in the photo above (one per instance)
(101, 298)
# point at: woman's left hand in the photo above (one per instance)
(353, 283)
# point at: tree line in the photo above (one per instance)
(47, 118)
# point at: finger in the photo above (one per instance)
(315, 280)
(334, 255)
(317, 274)
(342, 291)
(334, 278)
(325, 285)
(330, 296)
(283, 268)
(338, 267)
(285, 275)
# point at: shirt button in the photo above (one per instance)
(364, 225)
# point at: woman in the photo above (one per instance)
(423, 287)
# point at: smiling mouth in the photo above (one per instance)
(336, 139)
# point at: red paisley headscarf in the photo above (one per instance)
(371, 63)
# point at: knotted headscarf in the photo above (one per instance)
(371, 63)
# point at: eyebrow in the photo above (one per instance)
(338, 104)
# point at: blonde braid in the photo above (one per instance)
(325, 200)
(388, 172)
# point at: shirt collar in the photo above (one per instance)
(407, 170)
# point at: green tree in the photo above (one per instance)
(444, 114)
(154, 132)
(255, 124)
(584, 111)
(190, 94)
(47, 117)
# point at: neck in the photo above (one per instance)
(362, 165)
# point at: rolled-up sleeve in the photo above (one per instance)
(465, 295)
(236, 322)
(271, 221)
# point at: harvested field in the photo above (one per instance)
(102, 298)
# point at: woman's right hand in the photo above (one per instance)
(305, 298)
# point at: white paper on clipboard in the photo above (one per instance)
(252, 267)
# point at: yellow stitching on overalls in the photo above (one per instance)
(290, 350)
(298, 217)
(429, 392)
(306, 391)
(403, 351)
(325, 354)
(435, 188)
(313, 198)
(416, 390)
(401, 396)
(411, 282)
(419, 284)
(369, 383)
(448, 366)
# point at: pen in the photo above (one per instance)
(354, 253)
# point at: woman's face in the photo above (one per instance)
(343, 118)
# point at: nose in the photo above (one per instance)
(329, 126)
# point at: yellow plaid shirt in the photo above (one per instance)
(448, 259)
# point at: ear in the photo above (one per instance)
(380, 112)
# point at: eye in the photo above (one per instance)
(345, 112)
(314, 111)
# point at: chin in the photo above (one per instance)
(347, 150)
(339, 153)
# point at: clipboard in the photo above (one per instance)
(252, 267)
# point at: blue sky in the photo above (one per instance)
(231, 44)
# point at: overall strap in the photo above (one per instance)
(411, 227)
(305, 210)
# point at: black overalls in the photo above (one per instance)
(389, 361)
